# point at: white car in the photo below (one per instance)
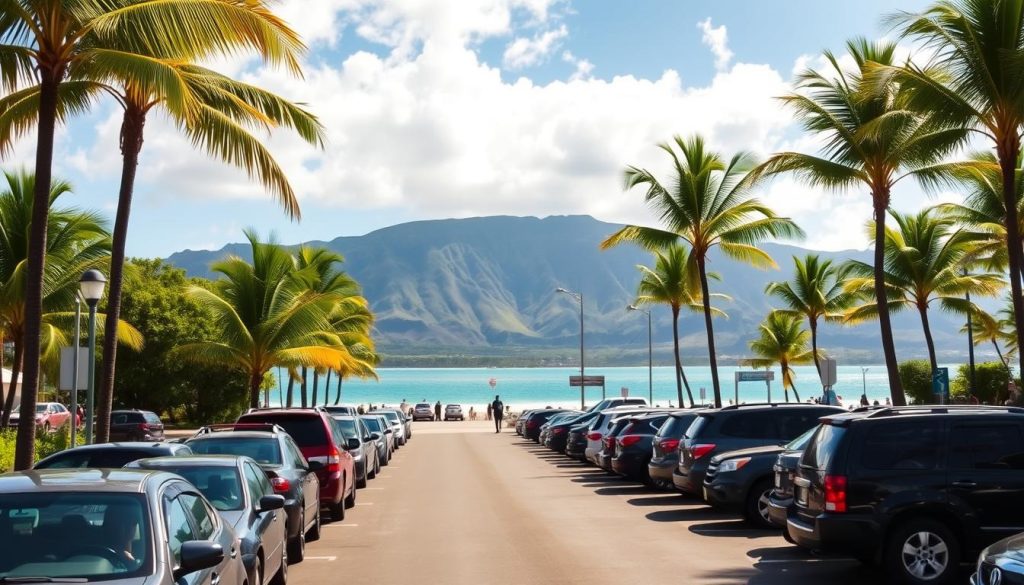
(423, 411)
(453, 411)
(601, 425)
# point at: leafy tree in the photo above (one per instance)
(924, 257)
(872, 139)
(706, 204)
(916, 376)
(783, 341)
(990, 382)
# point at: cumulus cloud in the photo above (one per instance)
(717, 39)
(527, 52)
(583, 67)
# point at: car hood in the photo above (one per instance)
(767, 450)
(1012, 547)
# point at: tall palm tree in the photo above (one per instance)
(872, 140)
(783, 341)
(706, 204)
(669, 284)
(976, 82)
(815, 292)
(988, 329)
(267, 314)
(924, 259)
(65, 48)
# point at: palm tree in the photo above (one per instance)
(924, 260)
(977, 83)
(988, 329)
(707, 204)
(668, 283)
(871, 139)
(783, 341)
(65, 48)
(816, 292)
(267, 314)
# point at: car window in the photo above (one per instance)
(306, 431)
(262, 450)
(221, 485)
(793, 423)
(252, 478)
(179, 530)
(696, 427)
(152, 418)
(119, 419)
(71, 460)
(822, 446)
(203, 515)
(750, 425)
(110, 458)
(347, 426)
(364, 431)
(297, 459)
(901, 445)
(986, 447)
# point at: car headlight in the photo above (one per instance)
(733, 464)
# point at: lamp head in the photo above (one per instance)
(632, 308)
(92, 285)
(561, 290)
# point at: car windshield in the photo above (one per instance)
(264, 450)
(94, 536)
(40, 408)
(151, 418)
(348, 427)
(391, 416)
(800, 443)
(422, 406)
(221, 485)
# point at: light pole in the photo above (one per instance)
(864, 381)
(579, 299)
(74, 366)
(650, 354)
(91, 284)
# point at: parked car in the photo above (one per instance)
(291, 476)
(600, 425)
(558, 432)
(338, 409)
(1002, 562)
(406, 422)
(739, 427)
(135, 425)
(379, 427)
(521, 421)
(241, 494)
(615, 402)
(110, 455)
(539, 418)
(49, 416)
(604, 457)
(317, 437)
(634, 446)
(360, 443)
(742, 481)
(576, 441)
(665, 447)
(783, 473)
(544, 436)
(133, 526)
(423, 411)
(397, 425)
(453, 412)
(914, 488)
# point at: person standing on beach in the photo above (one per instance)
(437, 410)
(498, 409)
(488, 411)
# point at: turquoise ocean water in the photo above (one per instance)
(537, 387)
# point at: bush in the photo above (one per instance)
(916, 376)
(990, 380)
(46, 445)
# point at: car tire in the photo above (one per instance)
(922, 551)
(361, 482)
(372, 473)
(281, 576)
(297, 544)
(337, 510)
(313, 534)
(755, 510)
(350, 501)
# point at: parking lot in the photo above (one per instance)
(461, 504)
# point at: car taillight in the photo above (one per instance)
(594, 436)
(281, 485)
(629, 440)
(558, 430)
(835, 493)
(334, 460)
(532, 424)
(143, 426)
(700, 450)
(669, 444)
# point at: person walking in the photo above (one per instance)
(498, 409)
(437, 410)
(488, 411)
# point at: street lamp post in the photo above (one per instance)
(74, 366)
(864, 381)
(579, 299)
(650, 354)
(91, 284)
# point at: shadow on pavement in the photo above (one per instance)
(688, 514)
(626, 490)
(732, 529)
(657, 500)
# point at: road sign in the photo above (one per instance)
(940, 381)
(67, 368)
(828, 372)
(755, 376)
(624, 392)
(703, 394)
(576, 381)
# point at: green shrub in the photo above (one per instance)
(46, 445)
(990, 380)
(916, 376)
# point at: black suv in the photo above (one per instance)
(665, 447)
(916, 488)
(739, 427)
(135, 425)
(634, 445)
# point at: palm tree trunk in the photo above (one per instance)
(686, 384)
(1005, 362)
(316, 382)
(327, 387)
(706, 298)
(337, 396)
(15, 372)
(813, 324)
(302, 388)
(25, 444)
(255, 380)
(796, 395)
(291, 388)
(3, 399)
(928, 337)
(1008, 152)
(881, 203)
(679, 362)
(132, 128)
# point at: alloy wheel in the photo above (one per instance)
(925, 555)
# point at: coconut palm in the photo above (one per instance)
(986, 328)
(669, 284)
(267, 314)
(872, 140)
(783, 341)
(706, 204)
(65, 48)
(924, 260)
(976, 82)
(816, 292)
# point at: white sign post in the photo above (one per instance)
(765, 376)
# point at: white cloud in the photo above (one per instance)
(583, 67)
(527, 52)
(717, 39)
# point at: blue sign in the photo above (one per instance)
(940, 381)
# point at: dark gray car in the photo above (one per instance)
(110, 455)
(380, 428)
(359, 442)
(115, 525)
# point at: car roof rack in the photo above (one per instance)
(228, 427)
(266, 408)
(771, 404)
(940, 409)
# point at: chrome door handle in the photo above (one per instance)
(965, 484)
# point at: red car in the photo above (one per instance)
(321, 444)
(49, 416)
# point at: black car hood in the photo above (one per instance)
(750, 452)
(1012, 547)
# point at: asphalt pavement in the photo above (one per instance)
(460, 504)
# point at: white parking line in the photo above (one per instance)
(364, 503)
(336, 525)
(321, 558)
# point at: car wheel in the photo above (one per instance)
(372, 473)
(350, 501)
(297, 544)
(281, 576)
(314, 532)
(922, 551)
(756, 510)
(337, 511)
(361, 482)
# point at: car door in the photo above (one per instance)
(269, 525)
(369, 446)
(188, 517)
(986, 474)
(310, 482)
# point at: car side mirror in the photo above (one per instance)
(374, 436)
(353, 443)
(272, 502)
(197, 555)
(315, 466)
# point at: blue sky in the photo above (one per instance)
(445, 108)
